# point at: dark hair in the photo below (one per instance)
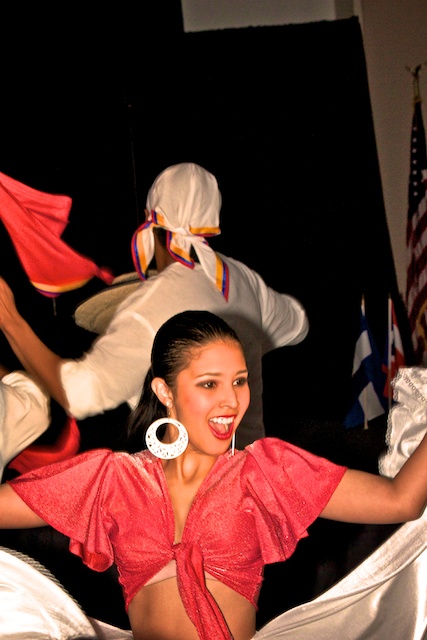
(172, 351)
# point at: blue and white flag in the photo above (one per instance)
(368, 379)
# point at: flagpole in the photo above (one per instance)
(415, 73)
(365, 390)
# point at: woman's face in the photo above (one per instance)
(211, 396)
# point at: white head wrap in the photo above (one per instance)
(185, 200)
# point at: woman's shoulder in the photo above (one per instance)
(271, 446)
(91, 462)
(275, 463)
(120, 458)
(271, 451)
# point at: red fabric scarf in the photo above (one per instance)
(35, 221)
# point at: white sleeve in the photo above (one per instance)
(407, 420)
(24, 414)
(113, 370)
(284, 319)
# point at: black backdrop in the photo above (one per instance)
(94, 105)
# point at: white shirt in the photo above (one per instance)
(113, 370)
(24, 415)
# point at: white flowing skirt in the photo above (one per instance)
(35, 606)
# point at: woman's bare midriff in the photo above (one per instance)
(157, 612)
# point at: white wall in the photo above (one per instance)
(394, 35)
(203, 15)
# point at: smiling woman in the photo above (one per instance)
(198, 373)
(191, 534)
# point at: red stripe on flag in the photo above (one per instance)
(394, 352)
(416, 287)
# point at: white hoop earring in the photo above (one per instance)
(233, 444)
(161, 449)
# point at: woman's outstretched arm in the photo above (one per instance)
(33, 354)
(14, 513)
(371, 499)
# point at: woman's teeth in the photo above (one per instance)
(224, 421)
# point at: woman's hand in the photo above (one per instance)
(35, 357)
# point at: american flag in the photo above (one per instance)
(416, 237)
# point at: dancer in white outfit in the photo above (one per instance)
(183, 207)
(24, 414)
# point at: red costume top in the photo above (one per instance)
(250, 510)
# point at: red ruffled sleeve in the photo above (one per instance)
(69, 496)
(291, 488)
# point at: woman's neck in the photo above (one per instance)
(190, 467)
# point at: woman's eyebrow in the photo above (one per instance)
(219, 373)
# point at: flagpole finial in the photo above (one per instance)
(415, 73)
